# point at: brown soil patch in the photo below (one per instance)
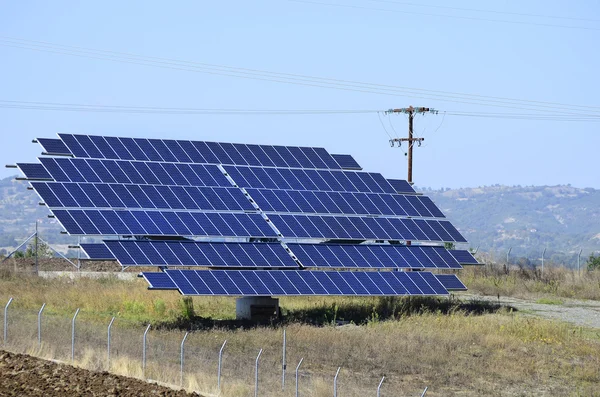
(22, 375)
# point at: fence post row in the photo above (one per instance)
(220, 363)
(256, 374)
(40, 326)
(182, 359)
(73, 336)
(335, 382)
(108, 344)
(144, 352)
(6, 319)
(297, 368)
(379, 387)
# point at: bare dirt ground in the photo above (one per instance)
(22, 375)
(582, 313)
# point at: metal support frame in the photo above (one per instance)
(335, 378)
(6, 320)
(425, 391)
(181, 359)
(73, 335)
(108, 344)
(39, 322)
(144, 343)
(379, 387)
(256, 373)
(19, 247)
(220, 364)
(297, 368)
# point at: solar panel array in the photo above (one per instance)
(261, 219)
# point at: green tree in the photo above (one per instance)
(593, 262)
(44, 251)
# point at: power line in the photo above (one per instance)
(73, 107)
(303, 80)
(446, 15)
(94, 108)
(485, 11)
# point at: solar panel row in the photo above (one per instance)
(206, 254)
(373, 256)
(302, 282)
(305, 179)
(344, 203)
(137, 172)
(102, 195)
(163, 223)
(365, 228)
(88, 146)
(159, 280)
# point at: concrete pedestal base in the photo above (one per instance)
(256, 308)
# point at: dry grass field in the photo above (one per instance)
(454, 348)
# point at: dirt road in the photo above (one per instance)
(22, 375)
(577, 312)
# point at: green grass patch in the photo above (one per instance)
(550, 301)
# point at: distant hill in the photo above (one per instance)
(562, 218)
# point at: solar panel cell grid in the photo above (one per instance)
(53, 146)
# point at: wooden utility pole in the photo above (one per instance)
(411, 115)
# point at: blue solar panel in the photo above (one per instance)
(464, 257)
(34, 171)
(346, 161)
(293, 282)
(159, 280)
(53, 146)
(401, 186)
(451, 282)
(97, 251)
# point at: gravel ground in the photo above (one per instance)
(577, 312)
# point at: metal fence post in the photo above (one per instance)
(108, 344)
(40, 326)
(220, 363)
(144, 352)
(283, 363)
(508, 256)
(335, 382)
(6, 319)
(73, 336)
(182, 359)
(424, 391)
(297, 368)
(579, 262)
(379, 387)
(256, 374)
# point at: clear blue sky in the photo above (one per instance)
(383, 42)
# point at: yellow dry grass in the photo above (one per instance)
(501, 354)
